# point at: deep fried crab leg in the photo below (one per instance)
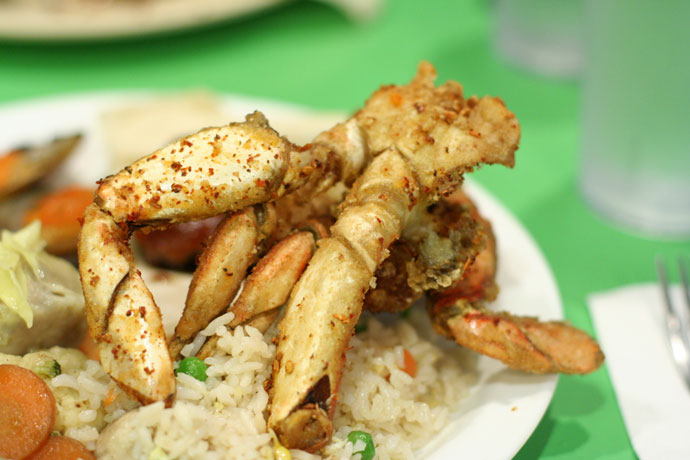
(423, 139)
(268, 286)
(215, 171)
(232, 248)
(438, 249)
(408, 146)
(457, 310)
(521, 342)
(237, 243)
(123, 318)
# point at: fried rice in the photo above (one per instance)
(225, 416)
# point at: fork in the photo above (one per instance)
(677, 318)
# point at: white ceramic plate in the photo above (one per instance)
(78, 20)
(504, 406)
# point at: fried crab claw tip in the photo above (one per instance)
(308, 227)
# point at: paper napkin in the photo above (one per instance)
(654, 400)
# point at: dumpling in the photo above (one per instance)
(41, 303)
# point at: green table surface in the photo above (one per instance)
(309, 53)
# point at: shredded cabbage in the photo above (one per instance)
(19, 251)
(280, 452)
(158, 454)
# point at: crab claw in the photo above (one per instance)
(122, 315)
(422, 139)
(522, 343)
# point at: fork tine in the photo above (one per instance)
(663, 280)
(684, 281)
(677, 331)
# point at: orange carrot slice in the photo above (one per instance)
(409, 363)
(109, 397)
(63, 207)
(27, 411)
(7, 164)
(59, 214)
(89, 348)
(61, 448)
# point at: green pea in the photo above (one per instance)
(369, 450)
(361, 326)
(194, 367)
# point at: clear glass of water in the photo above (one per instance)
(543, 36)
(635, 159)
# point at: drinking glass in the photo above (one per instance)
(544, 36)
(635, 151)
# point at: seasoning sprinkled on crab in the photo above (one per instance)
(405, 150)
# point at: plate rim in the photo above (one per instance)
(123, 20)
(482, 195)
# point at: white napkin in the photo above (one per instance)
(652, 395)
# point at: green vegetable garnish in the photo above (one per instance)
(16, 250)
(194, 367)
(369, 450)
(158, 454)
(48, 369)
(405, 314)
(361, 326)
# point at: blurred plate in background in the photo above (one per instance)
(98, 19)
(78, 20)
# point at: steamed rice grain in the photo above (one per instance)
(225, 416)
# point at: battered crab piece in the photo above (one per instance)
(123, 317)
(423, 139)
(457, 310)
(224, 169)
(268, 286)
(408, 146)
(327, 300)
(215, 171)
(522, 343)
(221, 269)
(236, 244)
(438, 249)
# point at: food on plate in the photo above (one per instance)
(88, 347)
(13, 209)
(59, 213)
(367, 449)
(41, 304)
(369, 216)
(224, 416)
(86, 398)
(221, 169)
(399, 156)
(62, 448)
(61, 396)
(139, 128)
(423, 261)
(27, 411)
(264, 290)
(40, 363)
(177, 246)
(22, 167)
